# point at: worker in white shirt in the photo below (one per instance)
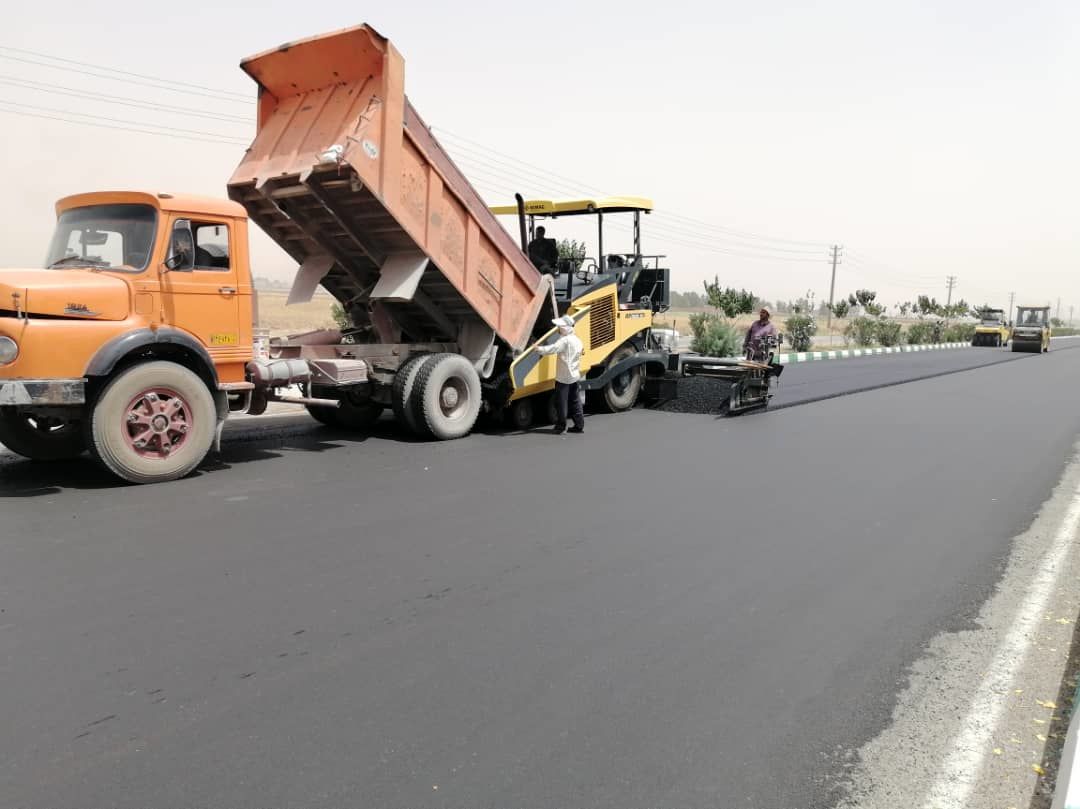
(567, 350)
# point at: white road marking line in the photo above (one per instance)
(971, 747)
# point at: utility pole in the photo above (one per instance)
(1070, 317)
(1012, 297)
(832, 286)
(1057, 313)
(950, 282)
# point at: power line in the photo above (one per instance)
(163, 86)
(479, 165)
(677, 233)
(221, 135)
(504, 184)
(235, 95)
(73, 92)
(548, 175)
(108, 126)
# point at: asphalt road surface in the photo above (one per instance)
(671, 610)
(823, 379)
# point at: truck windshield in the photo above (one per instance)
(118, 237)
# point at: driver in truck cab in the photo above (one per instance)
(759, 330)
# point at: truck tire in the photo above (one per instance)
(352, 415)
(152, 423)
(621, 392)
(402, 398)
(448, 397)
(41, 438)
(323, 415)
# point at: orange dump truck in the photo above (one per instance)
(136, 339)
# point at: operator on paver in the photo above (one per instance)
(544, 253)
(759, 330)
(567, 350)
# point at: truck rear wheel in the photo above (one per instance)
(323, 415)
(621, 392)
(41, 438)
(348, 415)
(154, 422)
(401, 394)
(448, 396)
(357, 415)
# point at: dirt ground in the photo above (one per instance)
(282, 320)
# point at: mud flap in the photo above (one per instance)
(221, 403)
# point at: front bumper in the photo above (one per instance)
(42, 392)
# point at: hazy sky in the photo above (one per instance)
(928, 138)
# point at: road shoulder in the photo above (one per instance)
(981, 719)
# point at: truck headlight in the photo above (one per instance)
(9, 350)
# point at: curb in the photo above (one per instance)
(847, 353)
(1067, 788)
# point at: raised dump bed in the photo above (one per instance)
(346, 177)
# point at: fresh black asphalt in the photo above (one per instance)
(672, 610)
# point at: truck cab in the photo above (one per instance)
(130, 279)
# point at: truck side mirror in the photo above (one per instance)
(181, 248)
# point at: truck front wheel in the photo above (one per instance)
(153, 422)
(41, 438)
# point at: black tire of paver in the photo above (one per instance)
(401, 392)
(520, 414)
(107, 427)
(615, 400)
(448, 396)
(41, 439)
(551, 408)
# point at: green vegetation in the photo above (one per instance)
(340, 318)
(800, 330)
(713, 336)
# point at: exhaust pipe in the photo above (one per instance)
(521, 223)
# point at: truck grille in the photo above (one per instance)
(602, 323)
